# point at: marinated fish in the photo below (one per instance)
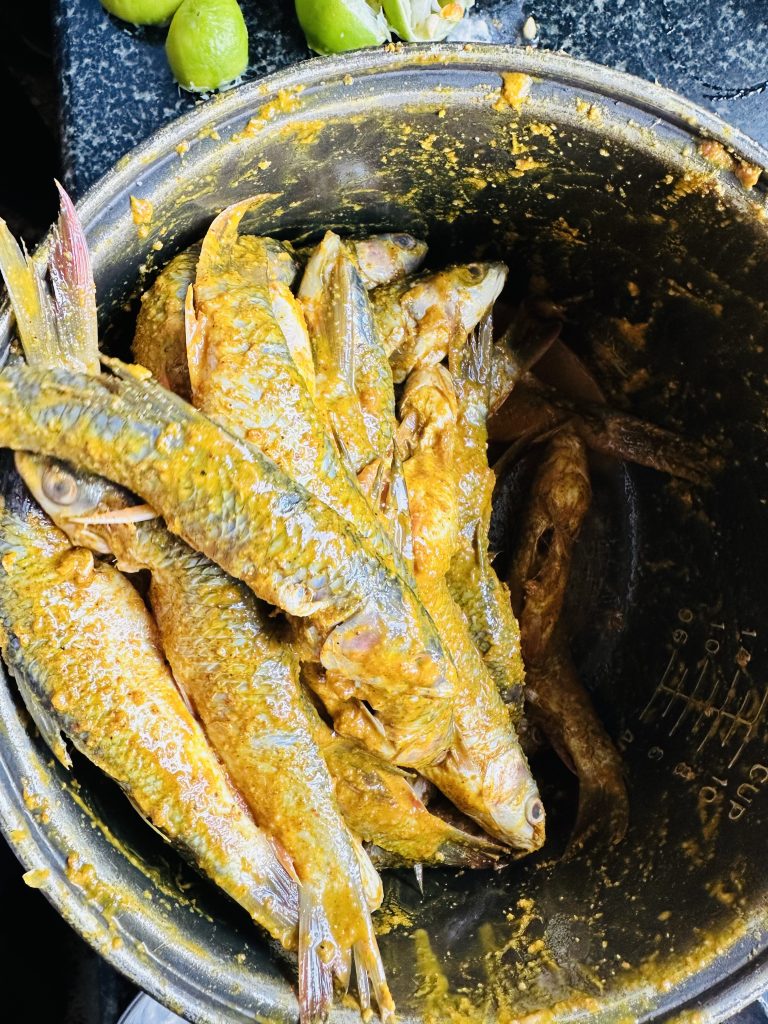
(420, 319)
(231, 502)
(79, 641)
(235, 666)
(380, 803)
(472, 580)
(533, 410)
(326, 295)
(381, 259)
(560, 497)
(159, 342)
(485, 773)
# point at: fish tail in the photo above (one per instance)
(194, 332)
(315, 968)
(74, 290)
(369, 972)
(475, 357)
(30, 302)
(373, 890)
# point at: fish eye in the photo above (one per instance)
(59, 485)
(404, 241)
(475, 271)
(534, 810)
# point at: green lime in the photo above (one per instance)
(142, 12)
(207, 44)
(333, 26)
(422, 20)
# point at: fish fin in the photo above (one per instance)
(342, 339)
(398, 509)
(418, 870)
(315, 971)
(194, 329)
(118, 516)
(369, 972)
(476, 356)
(142, 814)
(30, 302)
(74, 290)
(44, 720)
(344, 452)
(464, 850)
(372, 885)
(371, 479)
(217, 250)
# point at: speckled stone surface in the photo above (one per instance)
(117, 88)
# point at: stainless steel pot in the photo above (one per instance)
(595, 185)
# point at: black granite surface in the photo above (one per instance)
(114, 88)
(117, 88)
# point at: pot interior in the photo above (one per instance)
(661, 260)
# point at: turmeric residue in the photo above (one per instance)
(515, 90)
(440, 1006)
(141, 212)
(716, 153)
(36, 878)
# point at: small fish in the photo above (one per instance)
(332, 298)
(560, 497)
(245, 377)
(381, 259)
(229, 501)
(242, 679)
(159, 342)
(420, 319)
(485, 773)
(472, 580)
(533, 410)
(380, 804)
(79, 641)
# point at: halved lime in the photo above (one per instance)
(333, 26)
(207, 44)
(419, 21)
(142, 12)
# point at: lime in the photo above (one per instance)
(333, 26)
(424, 20)
(142, 12)
(207, 44)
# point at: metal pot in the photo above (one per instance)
(594, 184)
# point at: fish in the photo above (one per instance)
(244, 375)
(235, 666)
(372, 377)
(159, 340)
(241, 678)
(485, 772)
(331, 309)
(471, 579)
(385, 258)
(420, 319)
(229, 501)
(85, 653)
(533, 410)
(381, 259)
(559, 500)
(380, 803)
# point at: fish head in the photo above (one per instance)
(71, 498)
(386, 258)
(478, 285)
(513, 802)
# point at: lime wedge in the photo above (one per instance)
(333, 26)
(420, 21)
(207, 44)
(142, 12)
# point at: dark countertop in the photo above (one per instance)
(115, 88)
